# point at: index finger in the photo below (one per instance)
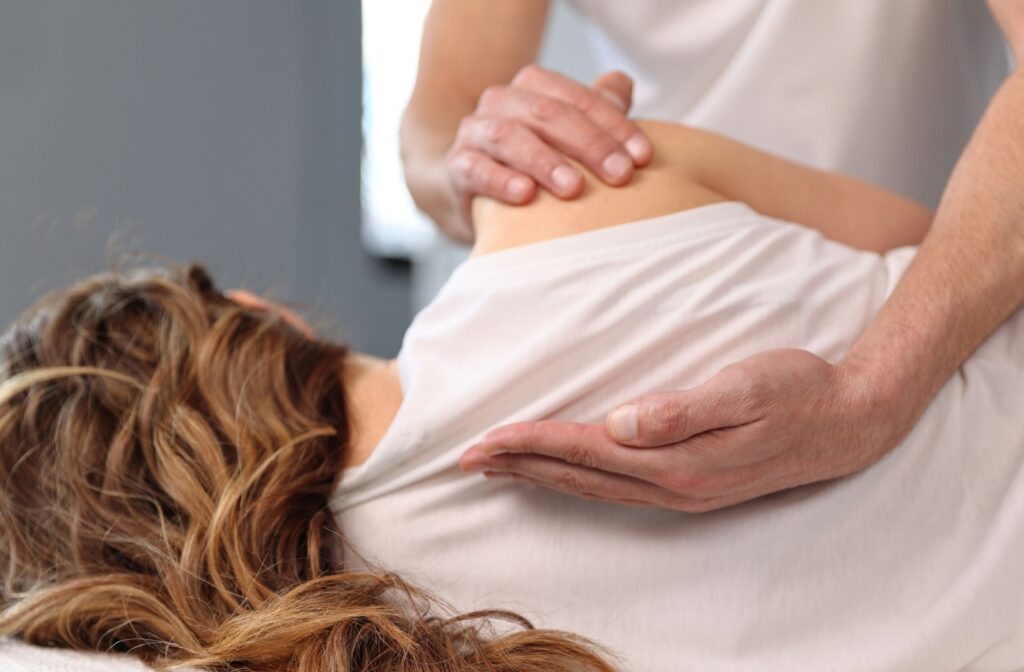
(587, 445)
(597, 107)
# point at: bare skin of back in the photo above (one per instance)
(692, 168)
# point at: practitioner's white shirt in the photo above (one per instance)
(886, 90)
(915, 564)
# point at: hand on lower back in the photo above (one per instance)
(519, 135)
(777, 420)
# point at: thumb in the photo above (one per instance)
(671, 417)
(617, 87)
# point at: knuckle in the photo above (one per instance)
(582, 100)
(577, 451)
(546, 108)
(528, 73)
(498, 131)
(491, 97)
(540, 159)
(665, 417)
(568, 480)
(578, 454)
(461, 164)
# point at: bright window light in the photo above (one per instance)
(392, 225)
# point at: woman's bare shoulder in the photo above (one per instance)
(670, 183)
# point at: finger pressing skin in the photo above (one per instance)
(683, 486)
(472, 172)
(586, 445)
(605, 105)
(579, 481)
(562, 126)
(511, 476)
(600, 486)
(518, 147)
(738, 487)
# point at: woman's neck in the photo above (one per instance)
(374, 394)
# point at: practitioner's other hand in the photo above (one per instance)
(520, 133)
(777, 420)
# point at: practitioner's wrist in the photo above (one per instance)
(883, 396)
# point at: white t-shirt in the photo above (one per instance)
(915, 564)
(885, 90)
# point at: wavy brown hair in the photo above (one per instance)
(166, 456)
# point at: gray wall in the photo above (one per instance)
(226, 132)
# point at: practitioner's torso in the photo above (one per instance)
(916, 564)
(886, 91)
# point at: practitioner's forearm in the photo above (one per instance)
(423, 147)
(449, 81)
(968, 276)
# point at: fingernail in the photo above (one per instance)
(491, 449)
(623, 422)
(565, 178)
(639, 147)
(615, 99)
(616, 165)
(473, 459)
(487, 447)
(518, 188)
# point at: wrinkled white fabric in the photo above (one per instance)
(888, 91)
(16, 656)
(915, 564)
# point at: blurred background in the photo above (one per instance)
(258, 137)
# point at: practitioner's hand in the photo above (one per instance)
(519, 135)
(774, 421)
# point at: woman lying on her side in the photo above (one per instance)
(193, 478)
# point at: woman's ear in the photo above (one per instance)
(249, 300)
